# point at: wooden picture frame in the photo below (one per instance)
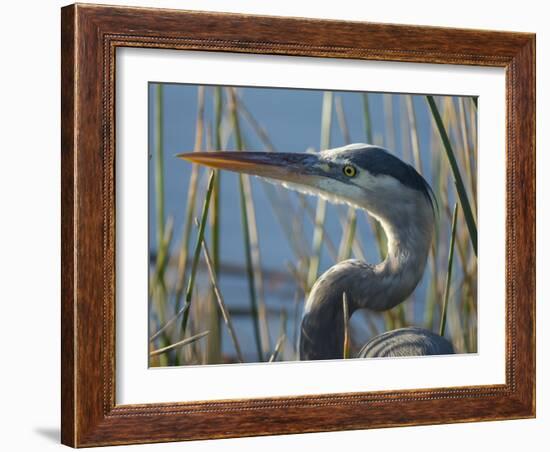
(90, 36)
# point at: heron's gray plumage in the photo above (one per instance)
(394, 193)
(406, 342)
(406, 215)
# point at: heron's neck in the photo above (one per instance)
(394, 279)
(378, 287)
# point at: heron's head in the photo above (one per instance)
(360, 175)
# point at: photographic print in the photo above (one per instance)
(291, 208)
(357, 239)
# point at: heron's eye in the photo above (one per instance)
(350, 171)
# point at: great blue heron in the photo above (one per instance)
(370, 178)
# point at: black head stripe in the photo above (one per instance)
(379, 161)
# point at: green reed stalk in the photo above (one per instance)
(367, 118)
(190, 204)
(387, 100)
(452, 122)
(159, 199)
(159, 164)
(472, 133)
(215, 218)
(467, 114)
(197, 251)
(345, 313)
(320, 213)
(434, 295)
(417, 158)
(246, 232)
(415, 145)
(158, 283)
(215, 338)
(459, 184)
(449, 273)
(469, 153)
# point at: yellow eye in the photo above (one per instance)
(350, 171)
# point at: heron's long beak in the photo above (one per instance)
(285, 167)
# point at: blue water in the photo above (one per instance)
(292, 120)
